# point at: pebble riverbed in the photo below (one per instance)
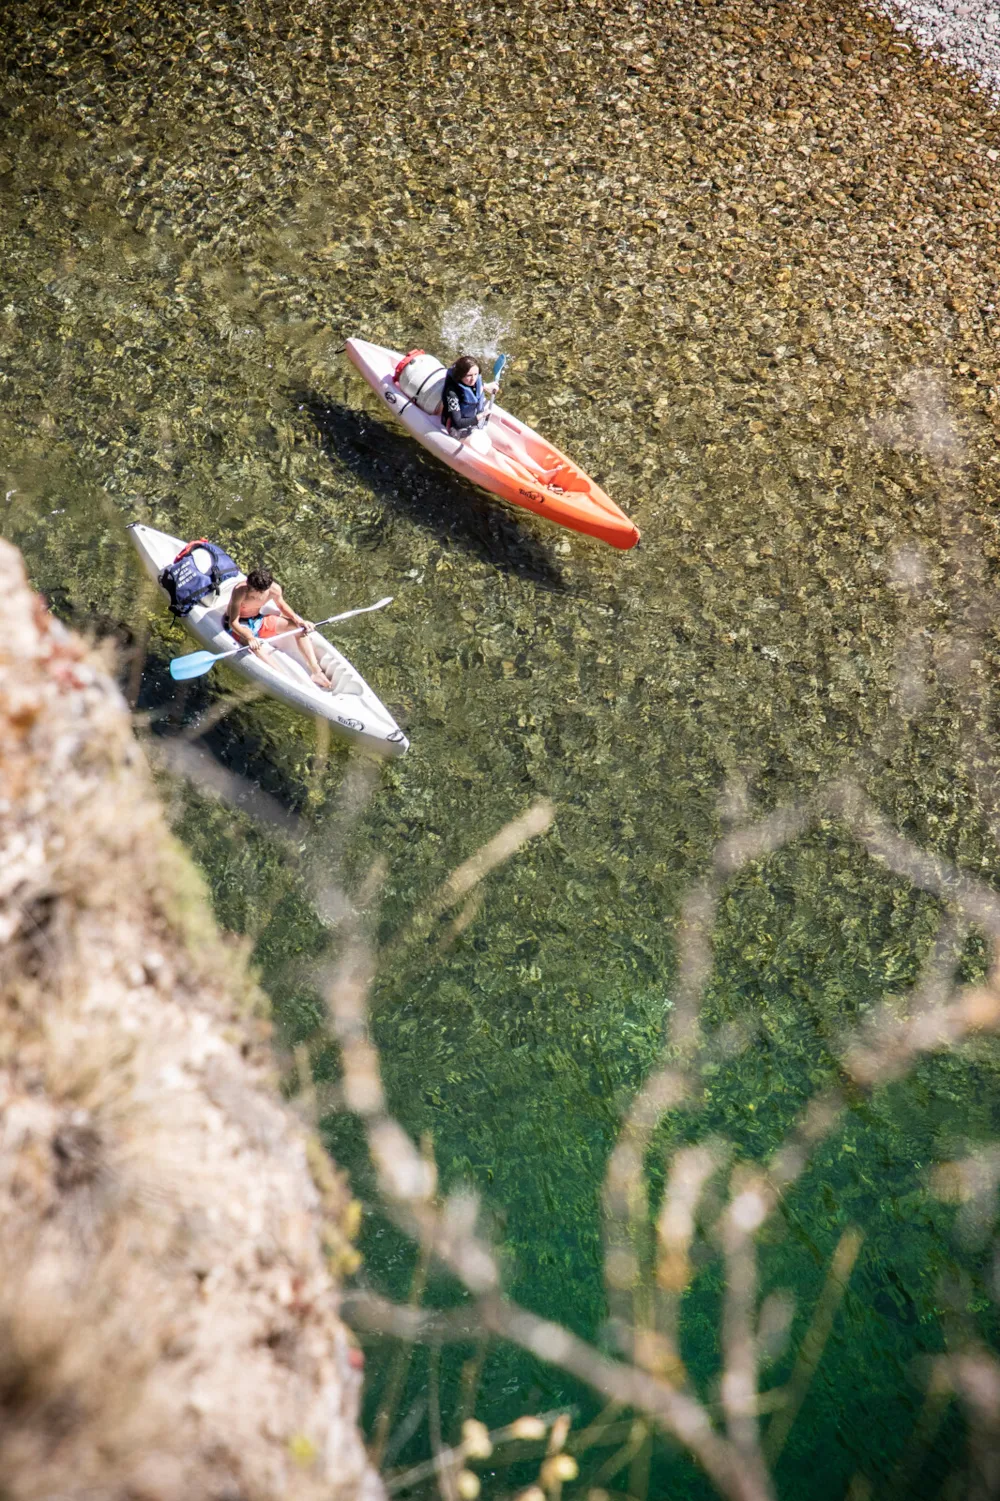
(744, 257)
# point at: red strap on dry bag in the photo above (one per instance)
(406, 360)
(189, 547)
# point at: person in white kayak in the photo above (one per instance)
(246, 621)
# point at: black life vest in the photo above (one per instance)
(185, 582)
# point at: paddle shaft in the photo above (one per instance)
(197, 663)
(300, 630)
(498, 370)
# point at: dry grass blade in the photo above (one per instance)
(887, 1049)
(687, 1176)
(694, 966)
(373, 1314)
(758, 840)
(445, 1460)
(638, 1436)
(975, 1375)
(816, 1121)
(217, 713)
(625, 1196)
(748, 1208)
(929, 872)
(814, 1343)
(400, 1365)
(535, 821)
(936, 1401)
(199, 767)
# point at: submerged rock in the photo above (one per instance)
(170, 1234)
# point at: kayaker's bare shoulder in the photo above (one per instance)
(235, 600)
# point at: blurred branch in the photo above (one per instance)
(748, 1208)
(654, 1384)
(814, 1343)
(448, 1228)
(625, 1385)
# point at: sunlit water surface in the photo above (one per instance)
(194, 214)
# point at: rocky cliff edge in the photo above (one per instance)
(169, 1234)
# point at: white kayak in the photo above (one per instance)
(352, 709)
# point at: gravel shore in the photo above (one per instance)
(966, 36)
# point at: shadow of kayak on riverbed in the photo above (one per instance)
(396, 471)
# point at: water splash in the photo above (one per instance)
(925, 424)
(467, 328)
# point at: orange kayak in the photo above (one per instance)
(505, 456)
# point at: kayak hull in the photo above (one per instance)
(506, 457)
(352, 710)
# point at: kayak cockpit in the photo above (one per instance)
(285, 662)
(529, 458)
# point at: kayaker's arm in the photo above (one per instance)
(286, 609)
(452, 414)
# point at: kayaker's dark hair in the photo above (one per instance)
(260, 580)
(463, 365)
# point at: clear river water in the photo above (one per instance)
(198, 204)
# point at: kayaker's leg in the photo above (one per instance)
(545, 475)
(512, 446)
(307, 652)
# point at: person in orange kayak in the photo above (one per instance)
(246, 621)
(463, 402)
(464, 396)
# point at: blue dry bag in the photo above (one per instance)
(187, 583)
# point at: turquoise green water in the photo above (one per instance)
(195, 209)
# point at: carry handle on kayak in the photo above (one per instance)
(197, 663)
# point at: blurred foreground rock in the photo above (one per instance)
(168, 1312)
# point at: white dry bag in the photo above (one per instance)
(421, 377)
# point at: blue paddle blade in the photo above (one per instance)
(195, 665)
(499, 365)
